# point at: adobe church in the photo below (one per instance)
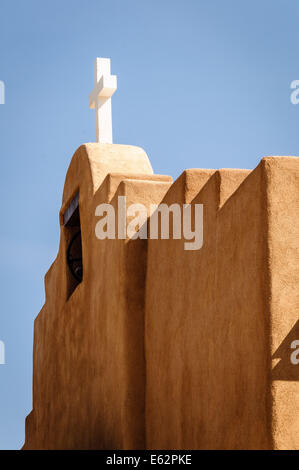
(142, 344)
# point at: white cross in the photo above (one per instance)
(100, 99)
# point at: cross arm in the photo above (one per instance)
(105, 88)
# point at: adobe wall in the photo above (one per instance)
(283, 197)
(89, 365)
(224, 311)
(165, 348)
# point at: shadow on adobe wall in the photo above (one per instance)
(285, 370)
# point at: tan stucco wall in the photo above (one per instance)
(89, 366)
(283, 201)
(160, 347)
(215, 325)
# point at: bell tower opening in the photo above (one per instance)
(73, 252)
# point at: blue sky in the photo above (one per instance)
(201, 84)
